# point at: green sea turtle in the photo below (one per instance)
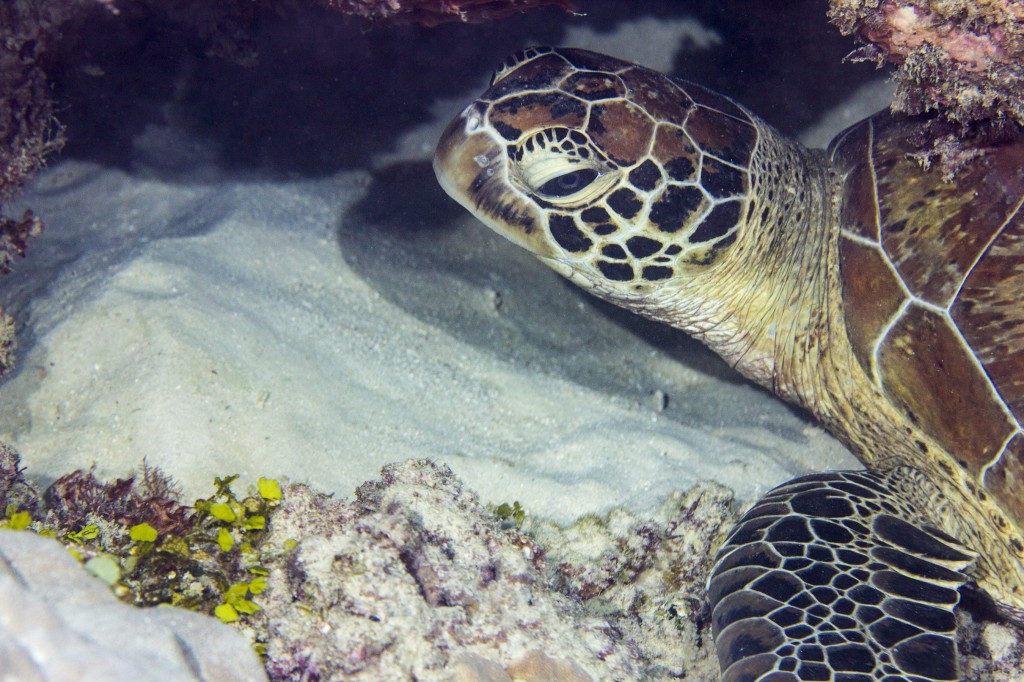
(849, 281)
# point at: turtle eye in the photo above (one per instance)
(568, 183)
(559, 166)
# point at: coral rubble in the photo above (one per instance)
(962, 57)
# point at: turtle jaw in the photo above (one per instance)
(472, 167)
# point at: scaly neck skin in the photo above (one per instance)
(773, 308)
(771, 305)
(765, 306)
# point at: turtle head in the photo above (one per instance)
(620, 178)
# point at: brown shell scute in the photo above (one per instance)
(676, 153)
(721, 180)
(988, 311)
(936, 231)
(874, 296)
(647, 89)
(925, 366)
(728, 138)
(594, 85)
(852, 150)
(711, 99)
(933, 277)
(585, 60)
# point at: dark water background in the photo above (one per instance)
(317, 91)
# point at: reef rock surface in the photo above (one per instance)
(60, 624)
(416, 579)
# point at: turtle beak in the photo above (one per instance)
(472, 167)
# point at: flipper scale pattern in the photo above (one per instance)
(829, 578)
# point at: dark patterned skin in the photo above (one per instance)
(852, 282)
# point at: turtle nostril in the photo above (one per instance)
(474, 116)
(484, 159)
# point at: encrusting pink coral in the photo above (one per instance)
(961, 57)
(900, 30)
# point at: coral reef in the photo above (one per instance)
(412, 579)
(422, 579)
(15, 492)
(991, 646)
(14, 236)
(648, 577)
(152, 549)
(79, 499)
(962, 57)
(434, 12)
(58, 622)
(28, 130)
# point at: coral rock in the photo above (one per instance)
(60, 624)
(416, 580)
(963, 57)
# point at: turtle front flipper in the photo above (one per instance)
(826, 579)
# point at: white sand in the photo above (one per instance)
(316, 329)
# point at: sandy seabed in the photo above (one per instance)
(271, 328)
(218, 322)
